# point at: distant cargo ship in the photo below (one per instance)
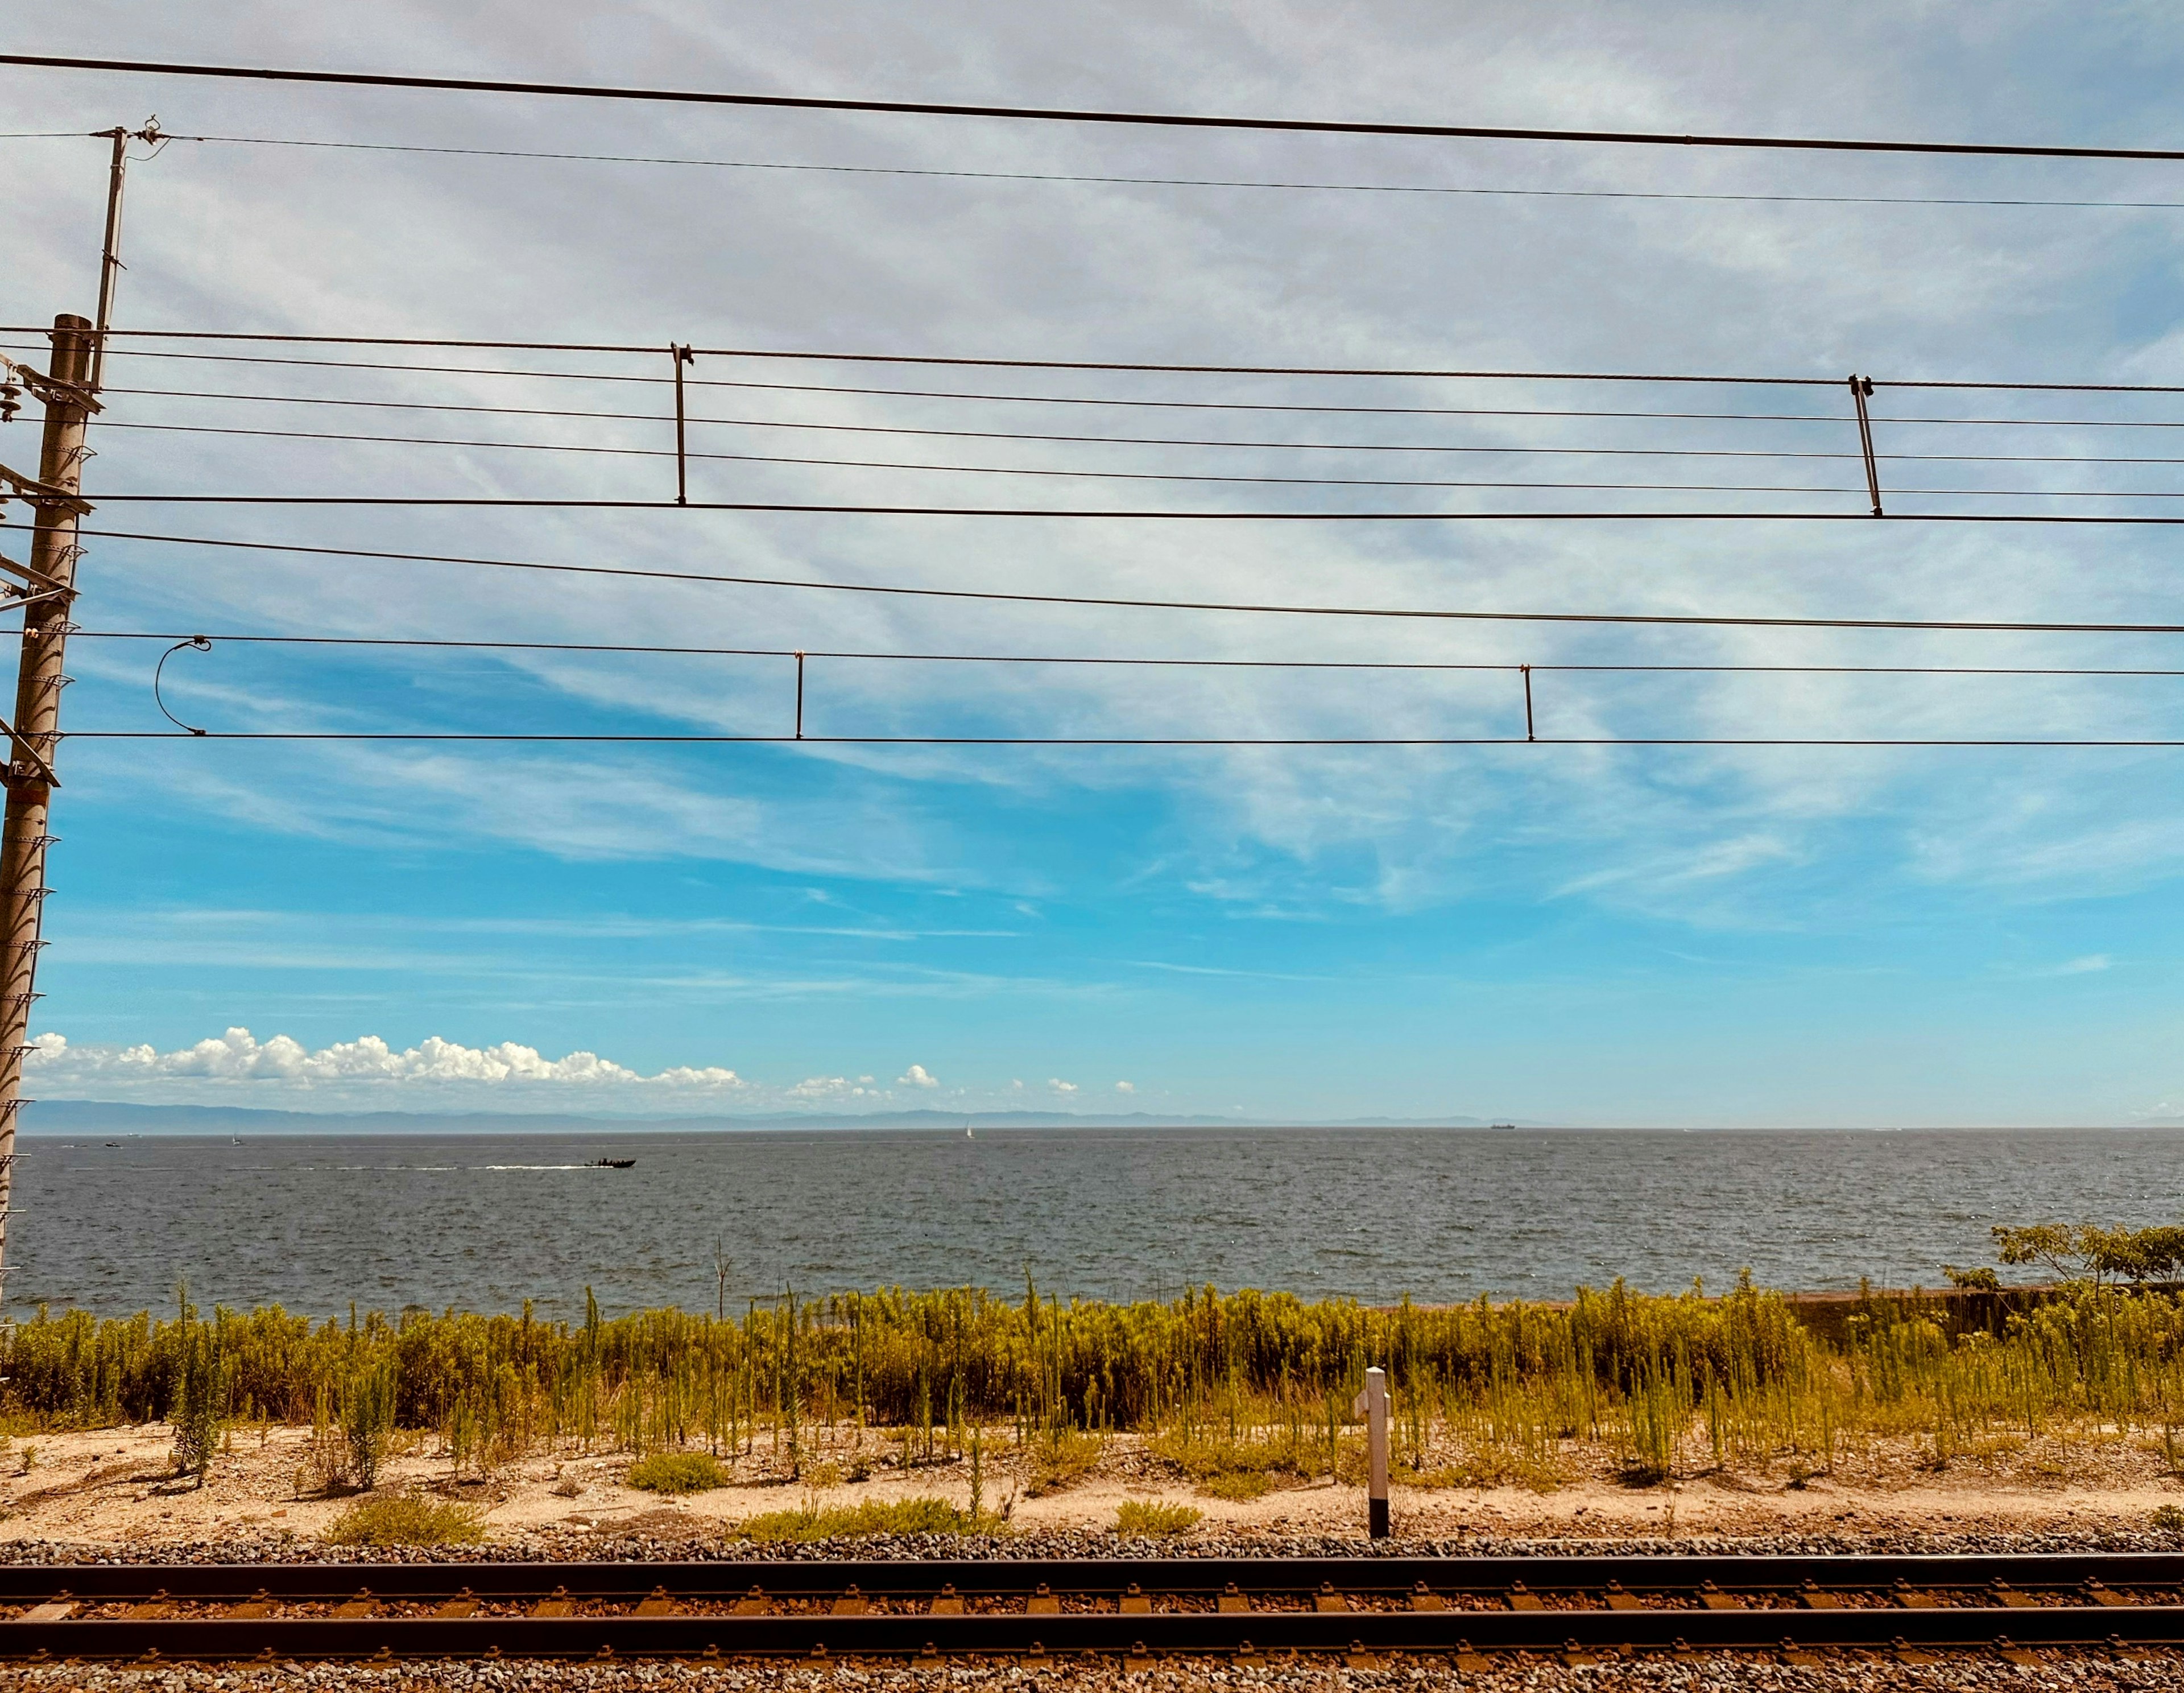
(1500, 1126)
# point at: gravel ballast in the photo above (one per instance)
(1849, 1673)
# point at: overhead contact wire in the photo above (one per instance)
(1008, 597)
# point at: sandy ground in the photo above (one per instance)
(118, 1486)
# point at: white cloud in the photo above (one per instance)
(1125, 1087)
(1061, 1086)
(833, 1089)
(238, 1056)
(917, 1076)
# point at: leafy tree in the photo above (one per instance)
(2054, 1244)
(2090, 1253)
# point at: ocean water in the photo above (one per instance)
(486, 1222)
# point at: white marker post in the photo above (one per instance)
(1373, 1406)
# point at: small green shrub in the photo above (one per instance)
(368, 1421)
(1061, 1459)
(199, 1415)
(406, 1519)
(1141, 1518)
(1237, 1485)
(677, 1473)
(2168, 1519)
(923, 1515)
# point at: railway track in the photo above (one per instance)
(1466, 1610)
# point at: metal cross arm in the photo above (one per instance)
(23, 745)
(36, 578)
(51, 388)
(43, 492)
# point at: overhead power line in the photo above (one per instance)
(1678, 619)
(1090, 179)
(1149, 515)
(1081, 115)
(1113, 740)
(1436, 373)
(1654, 414)
(435, 643)
(1129, 441)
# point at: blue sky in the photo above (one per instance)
(1579, 935)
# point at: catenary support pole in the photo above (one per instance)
(46, 627)
(1373, 1406)
(109, 257)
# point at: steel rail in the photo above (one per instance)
(813, 1608)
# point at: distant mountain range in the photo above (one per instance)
(90, 1117)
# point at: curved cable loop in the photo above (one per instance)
(195, 643)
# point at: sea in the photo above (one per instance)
(709, 1221)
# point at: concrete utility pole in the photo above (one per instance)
(1373, 1406)
(48, 593)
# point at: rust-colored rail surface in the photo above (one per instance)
(1136, 1609)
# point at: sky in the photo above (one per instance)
(1578, 934)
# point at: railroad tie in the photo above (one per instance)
(362, 1604)
(1248, 1656)
(2004, 1594)
(1814, 1597)
(1423, 1598)
(1327, 1599)
(1358, 1658)
(151, 1609)
(464, 1603)
(658, 1604)
(2102, 1594)
(1043, 1603)
(752, 1604)
(2010, 1652)
(1908, 1653)
(850, 1603)
(1137, 1661)
(56, 1610)
(1521, 1598)
(260, 1604)
(1232, 1599)
(1794, 1653)
(1912, 1598)
(1620, 1600)
(1137, 1602)
(555, 1604)
(1471, 1662)
(948, 1604)
(1714, 1599)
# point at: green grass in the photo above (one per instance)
(1060, 1460)
(924, 1516)
(677, 1473)
(1237, 1485)
(1234, 1391)
(407, 1519)
(1140, 1518)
